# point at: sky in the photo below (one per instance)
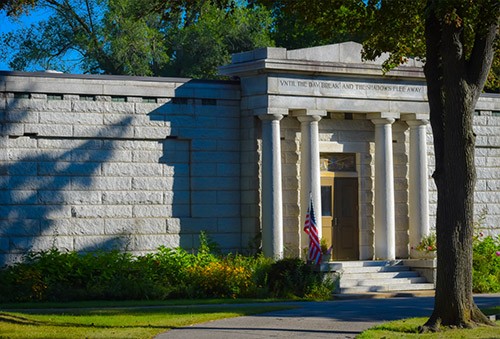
(9, 25)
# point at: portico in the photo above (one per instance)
(319, 104)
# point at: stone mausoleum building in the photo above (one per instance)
(91, 162)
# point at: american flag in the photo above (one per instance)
(314, 253)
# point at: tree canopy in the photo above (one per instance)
(300, 24)
(151, 37)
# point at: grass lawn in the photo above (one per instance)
(145, 319)
(408, 328)
(114, 320)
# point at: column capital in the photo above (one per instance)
(308, 112)
(413, 123)
(410, 117)
(270, 111)
(308, 118)
(383, 115)
(273, 117)
(383, 121)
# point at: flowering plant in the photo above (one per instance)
(428, 243)
(325, 250)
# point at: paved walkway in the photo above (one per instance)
(330, 319)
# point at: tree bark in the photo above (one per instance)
(454, 85)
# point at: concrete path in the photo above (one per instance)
(331, 319)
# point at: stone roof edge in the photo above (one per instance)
(318, 68)
(342, 58)
(105, 77)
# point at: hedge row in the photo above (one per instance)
(166, 274)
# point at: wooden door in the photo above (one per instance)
(339, 213)
(345, 221)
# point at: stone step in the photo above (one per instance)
(376, 263)
(387, 288)
(378, 276)
(381, 282)
(374, 269)
(381, 275)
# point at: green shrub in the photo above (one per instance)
(168, 269)
(172, 268)
(486, 264)
(292, 278)
(21, 282)
(260, 267)
(168, 273)
(54, 275)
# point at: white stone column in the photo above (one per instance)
(418, 199)
(310, 178)
(385, 228)
(272, 199)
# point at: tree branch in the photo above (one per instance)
(89, 12)
(481, 57)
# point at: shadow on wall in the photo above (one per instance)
(178, 127)
(46, 181)
(201, 154)
(156, 176)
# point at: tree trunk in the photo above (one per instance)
(454, 305)
(452, 94)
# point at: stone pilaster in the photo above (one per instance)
(418, 198)
(310, 178)
(385, 234)
(272, 200)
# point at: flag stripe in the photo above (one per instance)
(314, 253)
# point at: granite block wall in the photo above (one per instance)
(487, 157)
(114, 162)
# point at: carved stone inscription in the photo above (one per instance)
(351, 89)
